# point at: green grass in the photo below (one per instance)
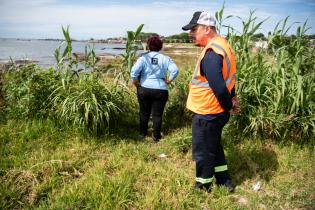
(54, 163)
(43, 166)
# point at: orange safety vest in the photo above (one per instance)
(201, 99)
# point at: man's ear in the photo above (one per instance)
(208, 30)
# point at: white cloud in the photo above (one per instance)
(44, 17)
(94, 20)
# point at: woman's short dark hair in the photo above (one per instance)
(155, 43)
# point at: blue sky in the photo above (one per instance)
(102, 19)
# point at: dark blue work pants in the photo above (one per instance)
(208, 151)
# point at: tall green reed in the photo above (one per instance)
(275, 85)
(67, 61)
(85, 101)
(121, 70)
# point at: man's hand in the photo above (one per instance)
(236, 106)
(136, 83)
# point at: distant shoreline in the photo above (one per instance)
(41, 51)
(107, 41)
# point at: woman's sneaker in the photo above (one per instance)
(155, 140)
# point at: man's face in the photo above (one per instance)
(199, 35)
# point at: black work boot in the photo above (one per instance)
(206, 187)
(228, 184)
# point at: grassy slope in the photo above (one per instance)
(45, 167)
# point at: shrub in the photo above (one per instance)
(88, 103)
(26, 91)
(176, 114)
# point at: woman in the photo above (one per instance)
(149, 75)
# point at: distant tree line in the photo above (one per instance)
(184, 37)
(177, 38)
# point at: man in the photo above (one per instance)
(210, 100)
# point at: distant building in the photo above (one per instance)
(261, 44)
(119, 40)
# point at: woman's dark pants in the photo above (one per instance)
(151, 101)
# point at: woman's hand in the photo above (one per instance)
(167, 81)
(136, 83)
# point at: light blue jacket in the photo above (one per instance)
(152, 67)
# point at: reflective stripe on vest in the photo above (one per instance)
(195, 81)
(228, 62)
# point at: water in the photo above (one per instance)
(42, 51)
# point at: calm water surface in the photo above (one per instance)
(42, 51)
